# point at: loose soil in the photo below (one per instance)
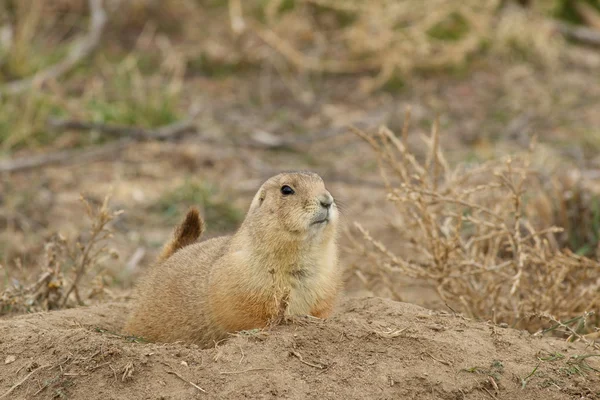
(371, 348)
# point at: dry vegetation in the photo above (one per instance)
(482, 202)
(507, 239)
(392, 39)
(474, 234)
(66, 268)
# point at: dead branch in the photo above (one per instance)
(186, 381)
(245, 371)
(79, 51)
(581, 34)
(299, 356)
(128, 136)
(170, 131)
(63, 156)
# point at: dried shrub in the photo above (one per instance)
(66, 266)
(576, 207)
(470, 235)
(390, 38)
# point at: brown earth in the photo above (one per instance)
(372, 348)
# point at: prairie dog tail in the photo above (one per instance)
(185, 234)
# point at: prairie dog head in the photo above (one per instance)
(295, 205)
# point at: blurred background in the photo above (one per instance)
(172, 103)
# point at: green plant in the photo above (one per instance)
(23, 120)
(131, 98)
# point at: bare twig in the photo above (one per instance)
(100, 366)
(245, 370)
(127, 371)
(391, 333)
(573, 334)
(79, 51)
(186, 381)
(22, 381)
(100, 218)
(448, 363)
(490, 393)
(299, 356)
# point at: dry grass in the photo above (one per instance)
(471, 236)
(66, 266)
(391, 39)
(51, 67)
(136, 73)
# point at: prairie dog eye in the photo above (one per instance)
(286, 190)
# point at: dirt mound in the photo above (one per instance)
(372, 348)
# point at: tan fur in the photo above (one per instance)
(185, 234)
(200, 292)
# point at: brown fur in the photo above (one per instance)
(280, 255)
(185, 234)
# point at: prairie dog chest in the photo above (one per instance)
(309, 284)
(308, 280)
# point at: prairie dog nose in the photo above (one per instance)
(326, 200)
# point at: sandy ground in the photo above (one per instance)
(372, 348)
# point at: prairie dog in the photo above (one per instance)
(284, 254)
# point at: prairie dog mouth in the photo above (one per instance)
(321, 218)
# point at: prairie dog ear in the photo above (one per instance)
(259, 197)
